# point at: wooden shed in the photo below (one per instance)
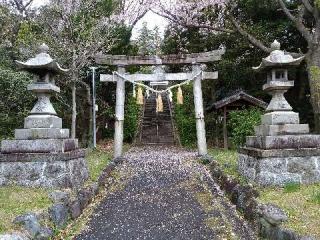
(237, 101)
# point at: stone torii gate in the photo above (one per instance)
(197, 75)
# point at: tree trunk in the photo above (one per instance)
(74, 110)
(313, 63)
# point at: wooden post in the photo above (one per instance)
(198, 104)
(118, 134)
(225, 131)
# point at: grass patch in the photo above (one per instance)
(291, 187)
(97, 160)
(301, 205)
(15, 201)
(228, 160)
(316, 197)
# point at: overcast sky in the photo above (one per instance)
(151, 18)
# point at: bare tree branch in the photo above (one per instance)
(308, 5)
(182, 22)
(297, 21)
(247, 35)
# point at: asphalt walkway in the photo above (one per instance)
(164, 193)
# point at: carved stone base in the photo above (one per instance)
(41, 133)
(285, 129)
(42, 121)
(284, 142)
(61, 170)
(39, 146)
(279, 167)
(278, 118)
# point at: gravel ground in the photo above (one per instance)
(164, 193)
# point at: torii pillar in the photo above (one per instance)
(120, 101)
(199, 111)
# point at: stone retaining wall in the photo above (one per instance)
(60, 170)
(265, 218)
(290, 166)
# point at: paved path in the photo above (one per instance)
(163, 193)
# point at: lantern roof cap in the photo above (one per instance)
(278, 58)
(42, 62)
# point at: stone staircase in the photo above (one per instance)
(157, 128)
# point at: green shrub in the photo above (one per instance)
(15, 101)
(131, 121)
(242, 123)
(185, 118)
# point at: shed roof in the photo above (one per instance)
(239, 96)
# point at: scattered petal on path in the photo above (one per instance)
(164, 193)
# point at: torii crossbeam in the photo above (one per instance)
(197, 75)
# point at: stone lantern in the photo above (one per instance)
(43, 121)
(279, 112)
(282, 149)
(42, 154)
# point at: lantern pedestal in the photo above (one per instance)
(282, 150)
(42, 154)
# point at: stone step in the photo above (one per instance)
(156, 127)
(284, 142)
(39, 146)
(285, 129)
(41, 133)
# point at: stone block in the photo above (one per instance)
(284, 142)
(273, 214)
(42, 121)
(276, 118)
(85, 197)
(60, 197)
(247, 166)
(43, 88)
(273, 165)
(279, 153)
(43, 157)
(75, 210)
(275, 85)
(269, 179)
(47, 173)
(41, 133)
(265, 178)
(29, 222)
(301, 165)
(78, 171)
(39, 146)
(285, 129)
(59, 214)
(14, 236)
(120, 160)
(54, 169)
(280, 167)
(15, 172)
(311, 177)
